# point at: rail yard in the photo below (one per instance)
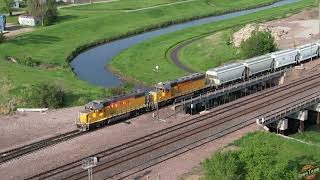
(254, 117)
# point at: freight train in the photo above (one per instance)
(97, 113)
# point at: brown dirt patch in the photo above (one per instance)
(15, 30)
(298, 29)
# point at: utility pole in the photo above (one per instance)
(157, 103)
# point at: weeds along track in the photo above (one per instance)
(27, 149)
(225, 114)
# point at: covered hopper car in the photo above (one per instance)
(225, 74)
(308, 51)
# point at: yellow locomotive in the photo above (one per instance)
(97, 113)
(179, 87)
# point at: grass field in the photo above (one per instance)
(210, 51)
(76, 28)
(262, 155)
(123, 5)
(16, 77)
(311, 136)
(52, 45)
(155, 50)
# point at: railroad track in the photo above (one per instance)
(27, 149)
(147, 144)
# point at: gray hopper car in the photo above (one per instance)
(284, 58)
(308, 51)
(258, 65)
(225, 74)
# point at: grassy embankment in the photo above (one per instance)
(155, 50)
(261, 155)
(210, 51)
(311, 136)
(80, 29)
(123, 5)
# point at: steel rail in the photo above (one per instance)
(170, 129)
(184, 134)
(29, 148)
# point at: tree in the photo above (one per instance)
(51, 14)
(46, 10)
(37, 8)
(1, 37)
(45, 95)
(260, 42)
(6, 6)
(224, 166)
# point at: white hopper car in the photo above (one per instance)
(308, 51)
(225, 74)
(261, 64)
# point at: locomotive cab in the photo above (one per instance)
(161, 93)
(89, 114)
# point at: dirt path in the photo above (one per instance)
(15, 30)
(174, 55)
(94, 2)
(152, 7)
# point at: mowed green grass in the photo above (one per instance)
(139, 61)
(14, 78)
(122, 5)
(53, 44)
(210, 51)
(309, 136)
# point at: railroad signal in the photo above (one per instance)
(88, 164)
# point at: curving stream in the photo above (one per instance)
(90, 64)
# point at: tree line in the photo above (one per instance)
(46, 10)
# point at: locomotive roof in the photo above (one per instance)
(98, 105)
(112, 99)
(169, 84)
(194, 76)
(93, 105)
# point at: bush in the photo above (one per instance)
(117, 91)
(51, 14)
(1, 37)
(260, 42)
(29, 62)
(224, 166)
(45, 96)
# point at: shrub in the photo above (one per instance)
(29, 62)
(1, 37)
(260, 42)
(224, 166)
(117, 91)
(45, 95)
(51, 15)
